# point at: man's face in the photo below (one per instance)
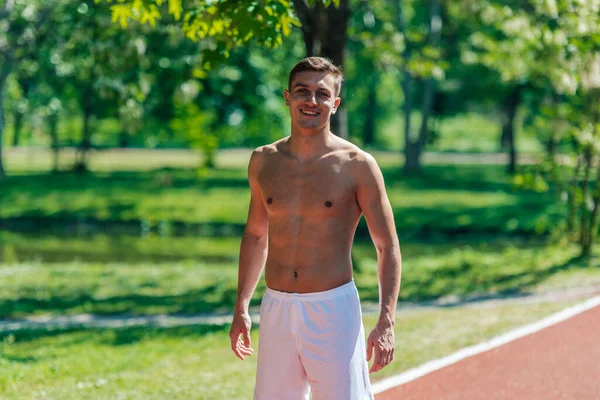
(312, 99)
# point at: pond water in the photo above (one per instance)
(114, 248)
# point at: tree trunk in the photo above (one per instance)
(412, 163)
(509, 113)
(53, 123)
(370, 113)
(26, 84)
(587, 250)
(584, 228)
(309, 26)
(17, 125)
(414, 146)
(85, 144)
(2, 95)
(325, 33)
(428, 96)
(572, 199)
(123, 139)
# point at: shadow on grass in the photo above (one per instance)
(161, 179)
(113, 336)
(20, 359)
(465, 278)
(214, 298)
(468, 281)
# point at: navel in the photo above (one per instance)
(269, 200)
(295, 274)
(328, 204)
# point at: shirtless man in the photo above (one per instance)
(308, 192)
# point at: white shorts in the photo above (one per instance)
(312, 343)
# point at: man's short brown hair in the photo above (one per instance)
(319, 64)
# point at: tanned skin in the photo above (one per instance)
(308, 192)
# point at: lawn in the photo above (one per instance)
(195, 362)
(193, 285)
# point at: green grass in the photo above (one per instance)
(196, 363)
(430, 271)
(152, 196)
(116, 288)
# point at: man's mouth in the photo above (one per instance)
(310, 113)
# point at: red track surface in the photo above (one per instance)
(559, 362)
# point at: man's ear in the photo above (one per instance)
(286, 96)
(336, 104)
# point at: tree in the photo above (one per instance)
(421, 67)
(226, 25)
(555, 44)
(222, 25)
(22, 30)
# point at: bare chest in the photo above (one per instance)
(316, 192)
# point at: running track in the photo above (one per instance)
(560, 362)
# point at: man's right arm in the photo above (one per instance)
(253, 254)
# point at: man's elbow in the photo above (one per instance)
(255, 235)
(389, 246)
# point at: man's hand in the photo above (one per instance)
(241, 326)
(382, 341)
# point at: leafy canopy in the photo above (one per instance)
(227, 24)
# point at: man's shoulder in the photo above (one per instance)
(263, 155)
(353, 153)
(268, 149)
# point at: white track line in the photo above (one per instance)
(434, 365)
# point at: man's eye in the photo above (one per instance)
(324, 94)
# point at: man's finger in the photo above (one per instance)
(247, 338)
(238, 353)
(247, 352)
(375, 367)
(378, 355)
(235, 344)
(389, 360)
(377, 362)
(234, 339)
(369, 350)
(386, 360)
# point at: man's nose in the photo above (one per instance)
(311, 98)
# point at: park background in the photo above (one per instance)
(125, 132)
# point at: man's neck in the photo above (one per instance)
(305, 147)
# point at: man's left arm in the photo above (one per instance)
(375, 205)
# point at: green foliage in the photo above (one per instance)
(554, 45)
(546, 41)
(228, 24)
(190, 122)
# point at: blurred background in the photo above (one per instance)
(125, 132)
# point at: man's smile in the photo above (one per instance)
(308, 112)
